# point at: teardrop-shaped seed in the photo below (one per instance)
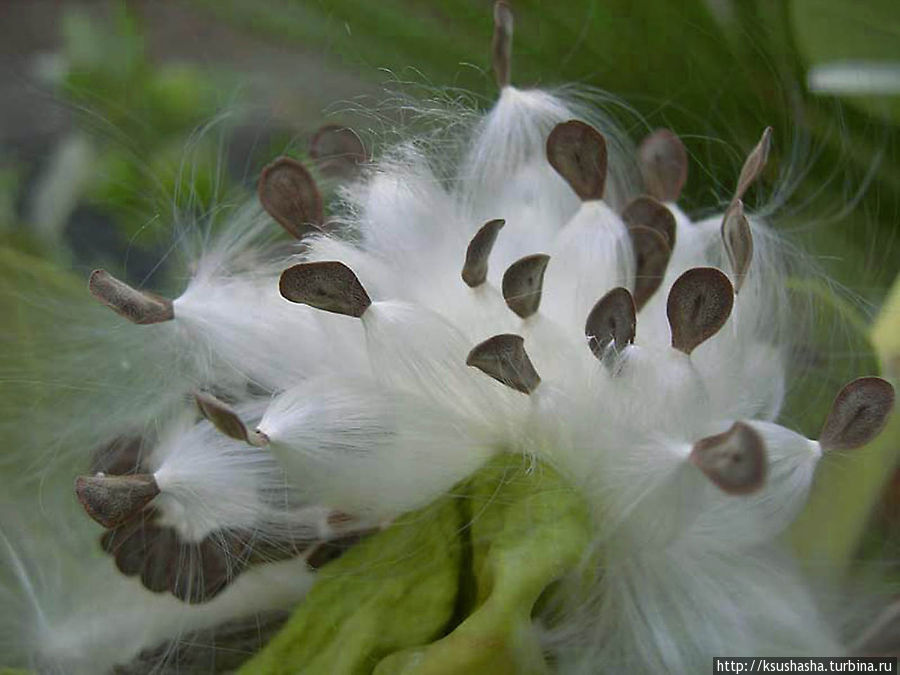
(338, 150)
(136, 306)
(611, 321)
(501, 44)
(578, 153)
(664, 165)
(858, 414)
(111, 500)
(754, 164)
(161, 556)
(226, 420)
(128, 542)
(652, 254)
(329, 285)
(120, 456)
(203, 571)
(504, 358)
(738, 240)
(523, 282)
(645, 211)
(735, 460)
(475, 269)
(289, 194)
(699, 304)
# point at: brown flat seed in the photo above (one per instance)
(738, 240)
(735, 460)
(127, 542)
(226, 420)
(664, 165)
(611, 321)
(333, 549)
(203, 572)
(754, 164)
(119, 457)
(475, 269)
(111, 500)
(220, 649)
(645, 211)
(330, 286)
(504, 358)
(161, 556)
(132, 550)
(523, 282)
(289, 194)
(578, 153)
(858, 414)
(699, 304)
(338, 150)
(652, 254)
(136, 306)
(501, 45)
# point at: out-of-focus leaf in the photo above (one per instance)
(394, 590)
(827, 31)
(528, 529)
(848, 485)
(447, 589)
(835, 350)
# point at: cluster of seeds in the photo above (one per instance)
(650, 350)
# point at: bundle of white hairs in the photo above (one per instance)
(535, 291)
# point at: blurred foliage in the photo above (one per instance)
(706, 74)
(448, 589)
(141, 120)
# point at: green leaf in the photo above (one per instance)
(829, 531)
(394, 590)
(529, 529)
(448, 589)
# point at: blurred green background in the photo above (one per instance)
(120, 118)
